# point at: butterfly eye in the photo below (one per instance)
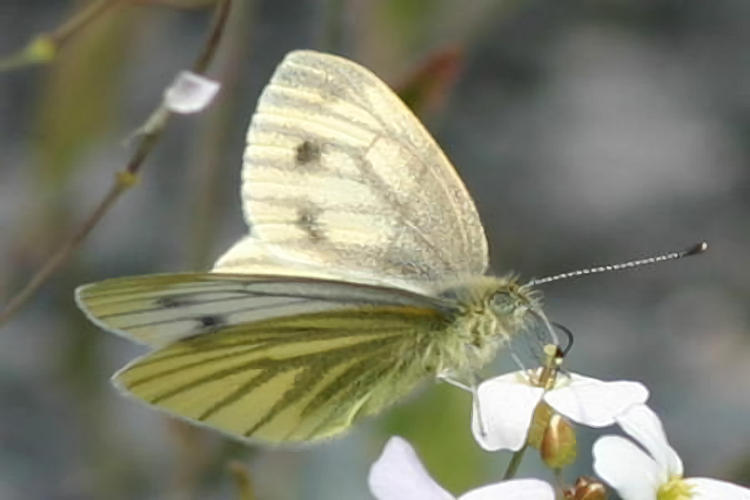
(509, 303)
(503, 303)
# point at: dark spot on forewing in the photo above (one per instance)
(308, 221)
(307, 152)
(168, 302)
(209, 321)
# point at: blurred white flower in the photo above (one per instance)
(506, 405)
(398, 474)
(190, 93)
(656, 475)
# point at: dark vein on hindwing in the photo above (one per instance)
(264, 363)
(250, 347)
(239, 393)
(363, 388)
(300, 328)
(351, 385)
(327, 361)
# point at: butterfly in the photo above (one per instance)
(363, 273)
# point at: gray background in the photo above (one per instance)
(587, 132)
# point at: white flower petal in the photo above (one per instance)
(643, 425)
(399, 475)
(516, 489)
(713, 489)
(506, 407)
(626, 468)
(594, 402)
(516, 377)
(190, 93)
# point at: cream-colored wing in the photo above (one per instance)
(251, 256)
(340, 175)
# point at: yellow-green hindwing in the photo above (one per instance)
(300, 376)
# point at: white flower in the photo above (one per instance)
(190, 93)
(656, 475)
(399, 475)
(506, 405)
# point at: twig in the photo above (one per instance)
(151, 132)
(515, 461)
(212, 42)
(43, 47)
(209, 150)
(80, 21)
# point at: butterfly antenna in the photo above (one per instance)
(696, 249)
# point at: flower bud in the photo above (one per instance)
(586, 488)
(539, 423)
(558, 446)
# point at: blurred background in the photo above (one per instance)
(588, 132)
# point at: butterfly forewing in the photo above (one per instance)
(295, 378)
(251, 256)
(161, 308)
(338, 172)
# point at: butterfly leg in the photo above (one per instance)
(477, 407)
(472, 387)
(452, 380)
(517, 359)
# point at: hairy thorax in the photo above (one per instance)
(487, 313)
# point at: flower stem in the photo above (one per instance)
(559, 482)
(242, 480)
(515, 461)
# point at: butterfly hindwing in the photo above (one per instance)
(290, 379)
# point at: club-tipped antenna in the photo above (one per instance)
(696, 249)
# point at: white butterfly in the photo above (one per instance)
(362, 274)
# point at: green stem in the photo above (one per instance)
(558, 478)
(242, 480)
(515, 461)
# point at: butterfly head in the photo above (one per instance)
(513, 301)
(517, 308)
